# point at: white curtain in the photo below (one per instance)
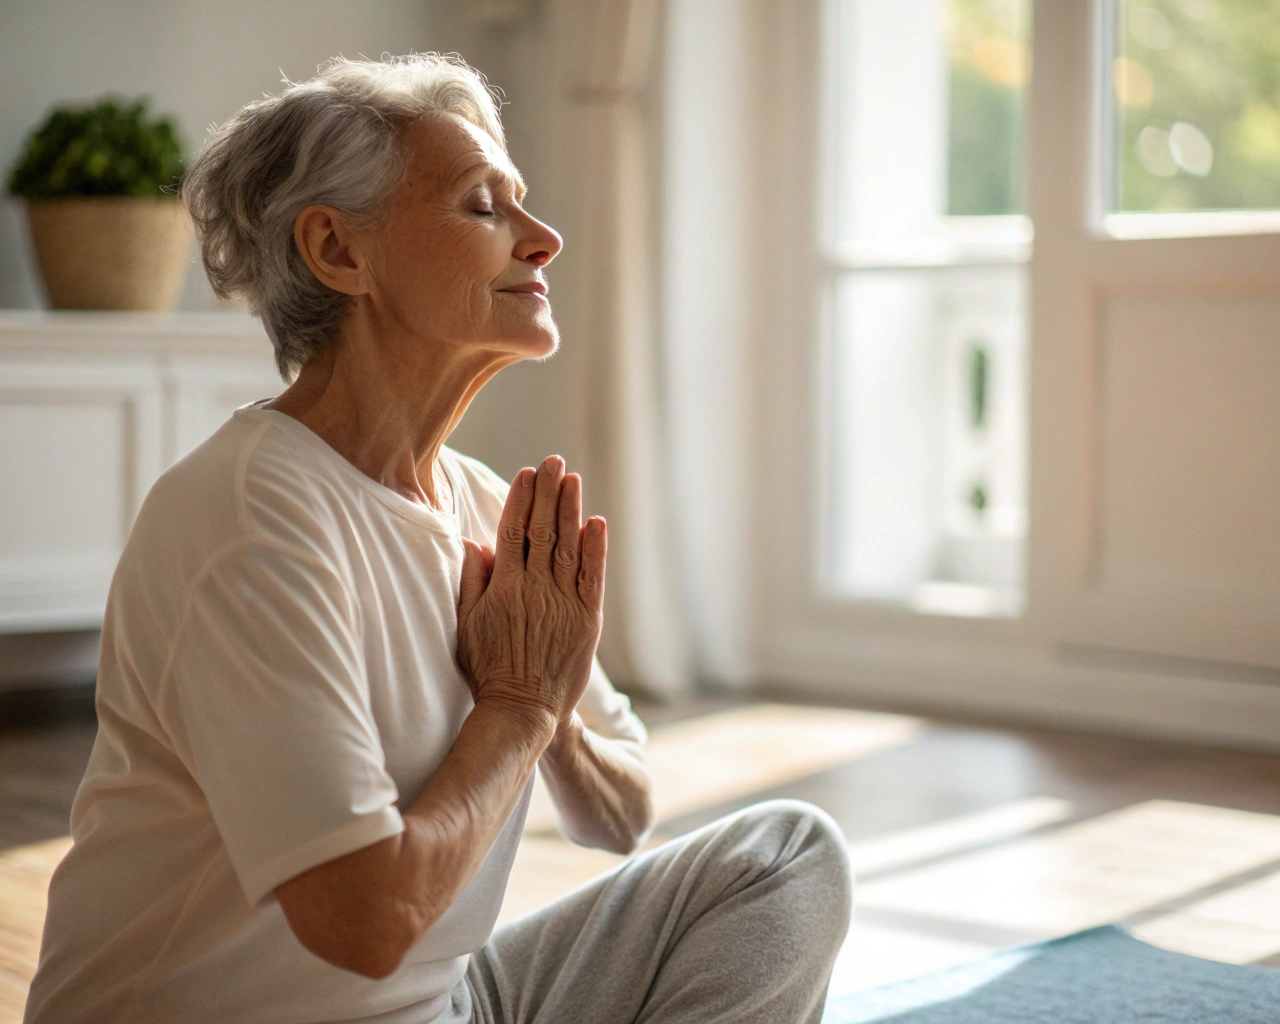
(611, 83)
(585, 82)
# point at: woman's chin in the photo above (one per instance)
(540, 343)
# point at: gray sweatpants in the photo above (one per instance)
(737, 922)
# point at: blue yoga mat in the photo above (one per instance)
(1101, 976)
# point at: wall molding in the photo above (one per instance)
(1153, 697)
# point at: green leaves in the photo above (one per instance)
(106, 149)
(1199, 131)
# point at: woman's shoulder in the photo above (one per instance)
(477, 473)
(250, 479)
(482, 493)
(196, 497)
(478, 478)
(189, 518)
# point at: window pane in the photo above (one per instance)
(930, 111)
(989, 51)
(929, 429)
(1196, 91)
(928, 484)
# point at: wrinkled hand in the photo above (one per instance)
(530, 612)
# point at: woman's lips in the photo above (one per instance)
(528, 288)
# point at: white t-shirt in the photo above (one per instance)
(277, 674)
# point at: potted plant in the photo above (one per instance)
(98, 184)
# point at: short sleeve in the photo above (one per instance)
(269, 707)
(607, 712)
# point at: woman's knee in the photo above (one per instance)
(821, 845)
(798, 831)
(794, 818)
(803, 841)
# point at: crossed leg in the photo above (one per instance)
(737, 922)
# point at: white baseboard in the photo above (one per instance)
(1146, 698)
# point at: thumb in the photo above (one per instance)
(475, 577)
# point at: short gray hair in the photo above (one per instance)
(337, 140)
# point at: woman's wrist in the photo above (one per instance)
(533, 723)
(567, 738)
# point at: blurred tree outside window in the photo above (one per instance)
(1196, 92)
(989, 46)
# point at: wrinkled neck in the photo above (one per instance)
(387, 402)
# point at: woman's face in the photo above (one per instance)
(457, 259)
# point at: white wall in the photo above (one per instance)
(199, 61)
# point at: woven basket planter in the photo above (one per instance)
(110, 252)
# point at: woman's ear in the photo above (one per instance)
(330, 249)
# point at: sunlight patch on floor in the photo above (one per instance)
(898, 849)
(24, 886)
(873, 955)
(545, 870)
(1238, 926)
(700, 763)
(1083, 875)
(707, 761)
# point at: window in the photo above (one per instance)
(926, 255)
(1193, 114)
(938, 547)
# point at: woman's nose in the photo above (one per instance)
(541, 245)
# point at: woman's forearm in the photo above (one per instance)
(601, 787)
(452, 824)
(364, 911)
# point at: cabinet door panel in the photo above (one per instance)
(79, 447)
(206, 390)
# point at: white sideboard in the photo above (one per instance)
(93, 407)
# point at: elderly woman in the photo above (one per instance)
(335, 651)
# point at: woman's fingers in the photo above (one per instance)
(509, 550)
(543, 517)
(568, 532)
(591, 572)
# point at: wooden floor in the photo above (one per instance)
(966, 838)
